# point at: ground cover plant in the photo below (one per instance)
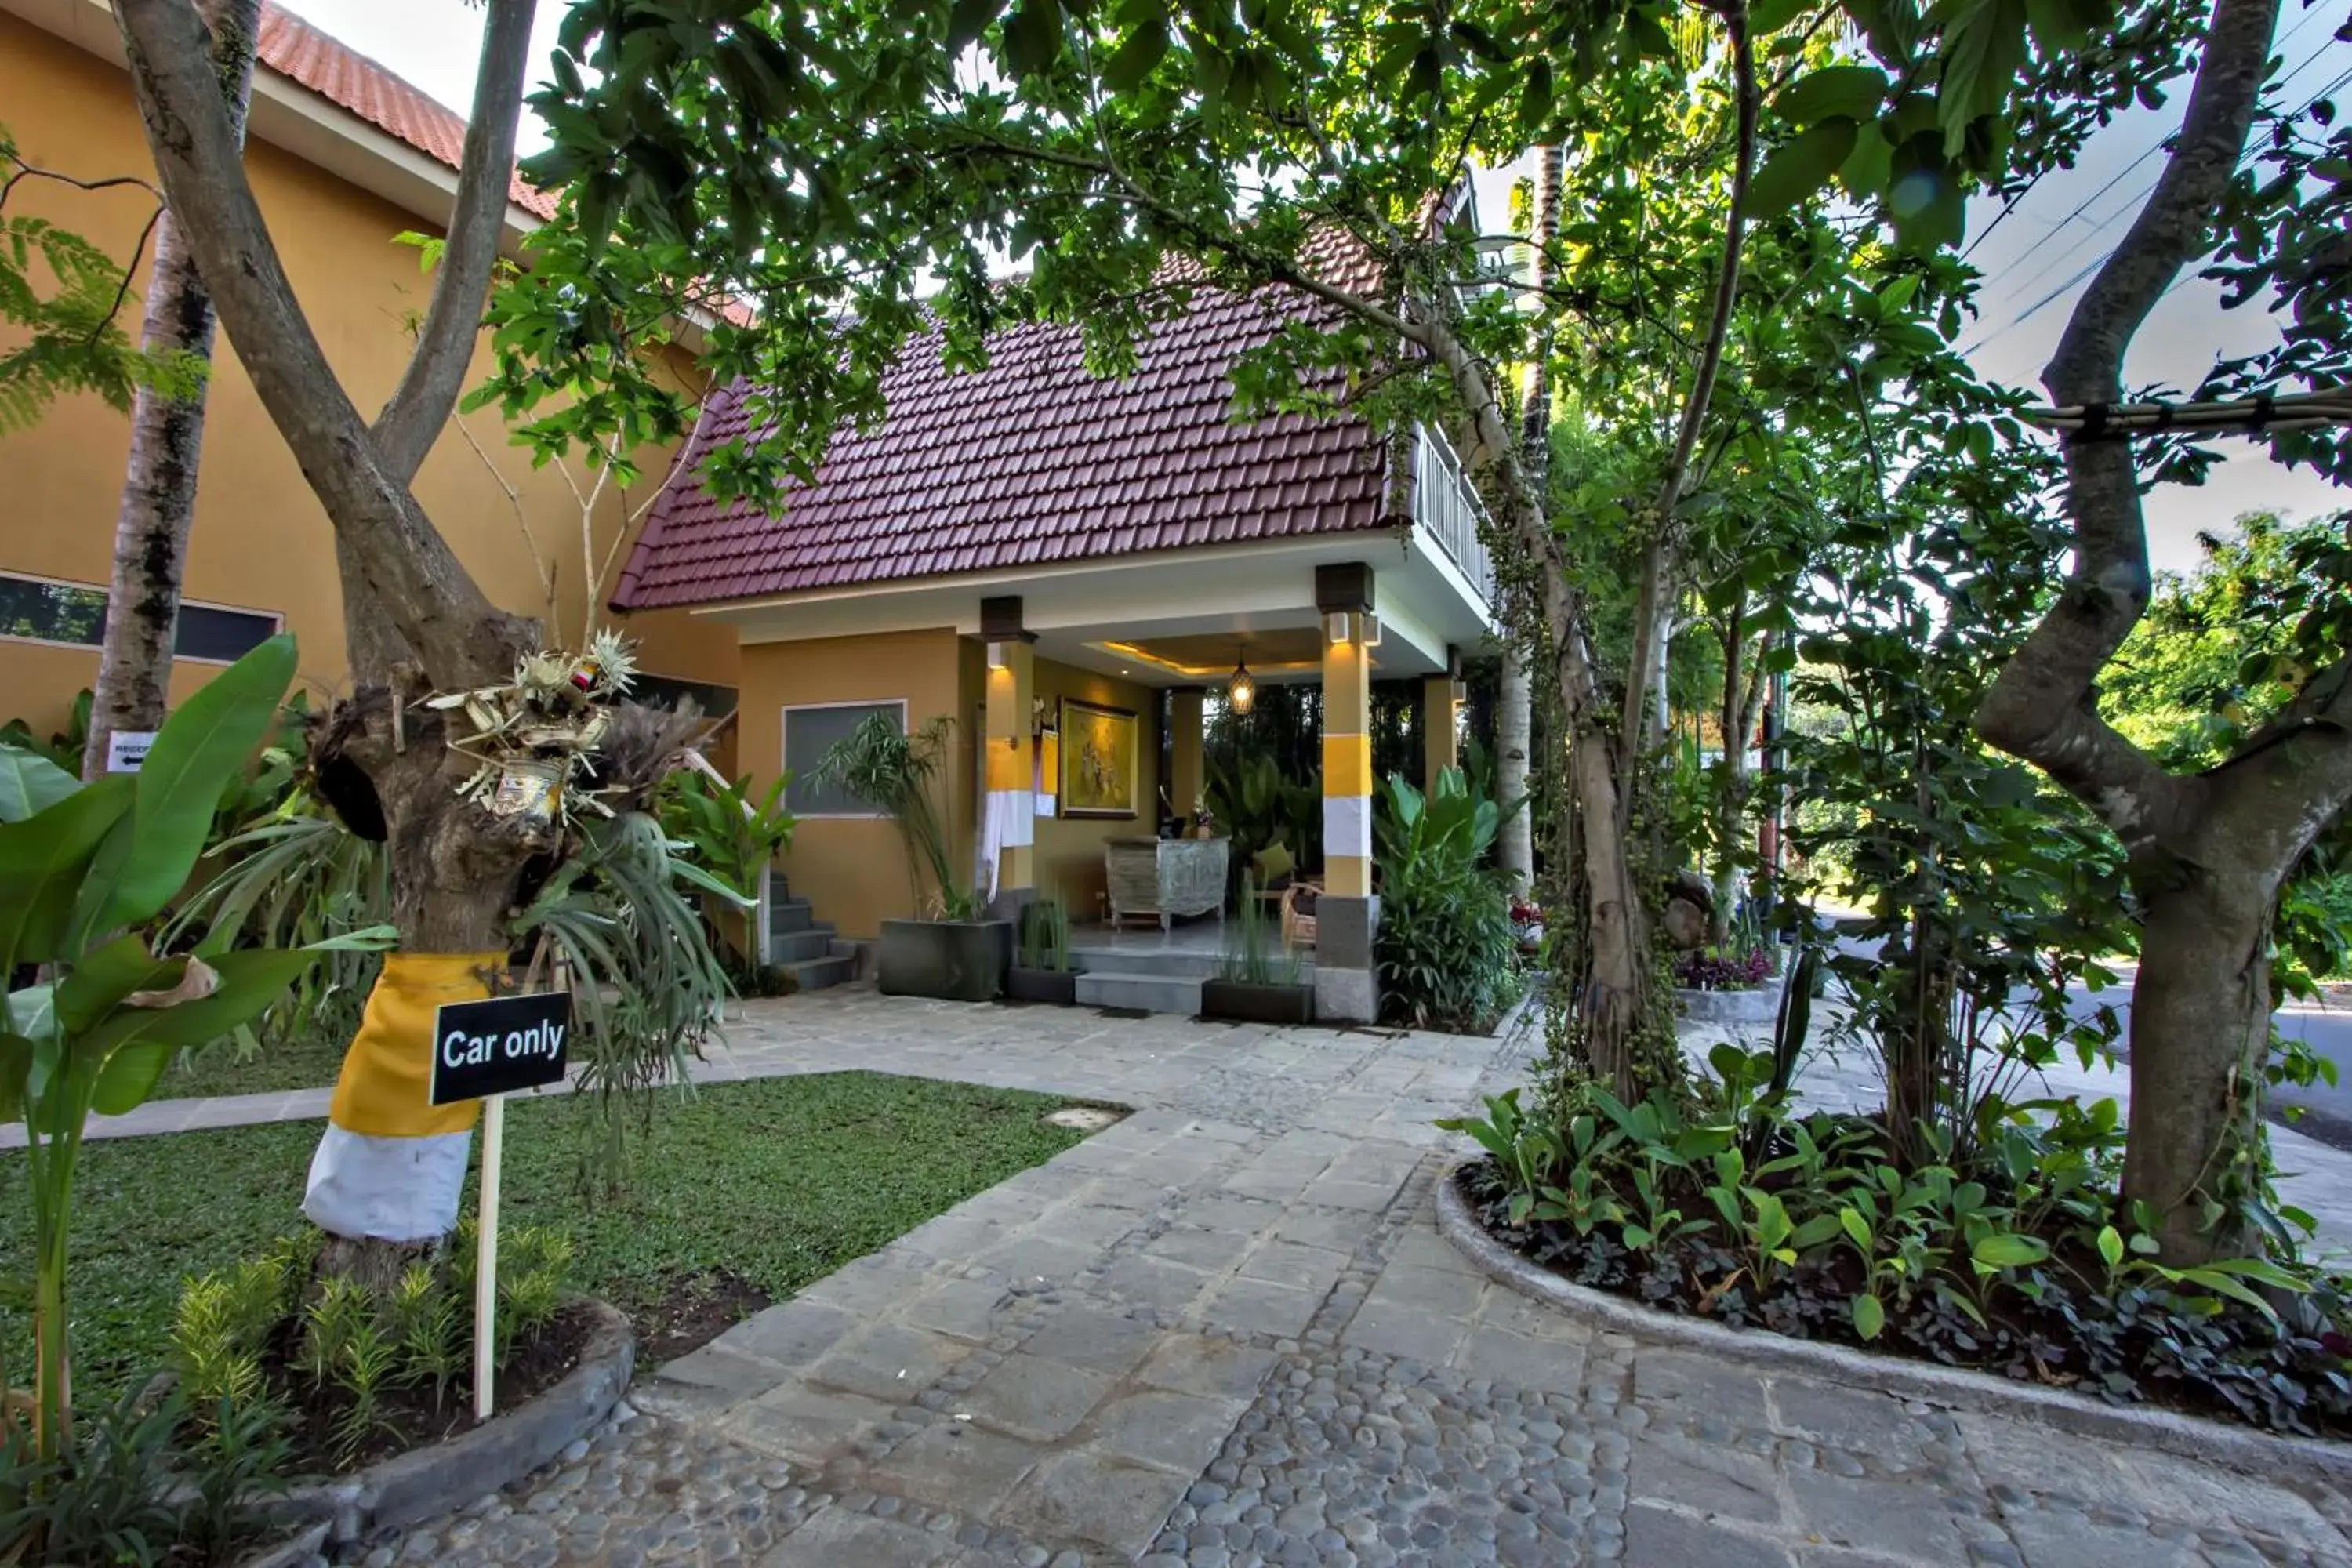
(2005, 1248)
(771, 1184)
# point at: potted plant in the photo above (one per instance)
(1041, 971)
(952, 953)
(1253, 985)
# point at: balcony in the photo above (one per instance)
(1446, 507)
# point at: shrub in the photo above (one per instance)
(2013, 1254)
(1445, 943)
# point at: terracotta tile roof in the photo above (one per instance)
(1030, 461)
(349, 80)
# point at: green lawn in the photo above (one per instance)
(779, 1181)
(309, 1063)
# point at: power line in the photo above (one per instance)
(2132, 206)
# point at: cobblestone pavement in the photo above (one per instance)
(1225, 1332)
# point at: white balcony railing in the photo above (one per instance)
(1444, 504)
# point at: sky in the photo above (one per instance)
(2035, 261)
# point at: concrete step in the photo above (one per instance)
(1170, 963)
(818, 973)
(1142, 993)
(793, 946)
(788, 915)
(862, 953)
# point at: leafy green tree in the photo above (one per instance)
(71, 336)
(2210, 849)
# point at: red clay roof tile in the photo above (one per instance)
(1029, 460)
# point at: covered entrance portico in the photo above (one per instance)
(1110, 635)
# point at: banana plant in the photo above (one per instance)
(83, 868)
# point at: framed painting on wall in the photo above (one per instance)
(1099, 760)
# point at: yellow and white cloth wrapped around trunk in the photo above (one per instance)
(391, 1165)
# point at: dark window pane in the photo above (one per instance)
(710, 699)
(808, 734)
(53, 612)
(227, 635)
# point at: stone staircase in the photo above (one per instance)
(810, 948)
(1146, 979)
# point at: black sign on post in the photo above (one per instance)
(499, 1046)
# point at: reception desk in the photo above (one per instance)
(1166, 878)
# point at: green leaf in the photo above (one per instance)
(2111, 1245)
(1032, 37)
(101, 979)
(44, 863)
(30, 783)
(249, 982)
(1855, 1228)
(2005, 1249)
(1869, 1317)
(1144, 48)
(197, 755)
(1833, 92)
(1799, 168)
(16, 1062)
(1774, 15)
(128, 1077)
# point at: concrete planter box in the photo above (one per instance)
(1257, 1003)
(1055, 987)
(953, 960)
(1758, 1007)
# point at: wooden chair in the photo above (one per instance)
(1298, 926)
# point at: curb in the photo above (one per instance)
(432, 1480)
(292, 1553)
(2257, 1453)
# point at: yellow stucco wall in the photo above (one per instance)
(853, 870)
(261, 542)
(1070, 850)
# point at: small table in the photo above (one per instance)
(1166, 877)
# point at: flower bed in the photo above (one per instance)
(2011, 1261)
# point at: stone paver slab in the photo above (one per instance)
(1261, 1307)
(889, 1360)
(1696, 1382)
(2053, 1538)
(968, 1309)
(790, 1333)
(838, 1539)
(1850, 1512)
(1655, 1535)
(1176, 1432)
(813, 1427)
(1200, 1247)
(1094, 1339)
(1717, 1479)
(1095, 1498)
(1032, 1397)
(1520, 1361)
(1168, 1287)
(1291, 1263)
(955, 1465)
(1208, 1366)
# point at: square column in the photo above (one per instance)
(1011, 826)
(1440, 747)
(1346, 917)
(1188, 779)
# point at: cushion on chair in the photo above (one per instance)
(1272, 866)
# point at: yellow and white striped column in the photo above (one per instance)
(1347, 757)
(391, 1164)
(1012, 827)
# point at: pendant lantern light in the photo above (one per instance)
(1241, 692)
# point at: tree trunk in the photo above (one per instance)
(1516, 844)
(167, 432)
(2208, 851)
(2200, 1034)
(1744, 685)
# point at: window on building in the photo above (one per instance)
(74, 614)
(710, 699)
(809, 732)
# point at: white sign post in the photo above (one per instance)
(482, 1050)
(486, 1261)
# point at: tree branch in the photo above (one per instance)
(436, 374)
(440, 611)
(1649, 628)
(2041, 707)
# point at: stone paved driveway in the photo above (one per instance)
(1225, 1331)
